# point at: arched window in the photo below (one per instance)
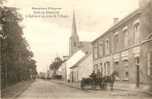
(107, 46)
(136, 32)
(101, 49)
(116, 41)
(126, 36)
(95, 51)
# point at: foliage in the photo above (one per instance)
(56, 64)
(17, 62)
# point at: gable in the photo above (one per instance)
(75, 58)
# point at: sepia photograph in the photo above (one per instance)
(76, 49)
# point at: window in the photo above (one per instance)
(116, 68)
(116, 42)
(106, 69)
(107, 47)
(149, 68)
(137, 60)
(101, 49)
(126, 34)
(101, 68)
(96, 68)
(136, 33)
(95, 51)
(126, 70)
(116, 65)
(126, 74)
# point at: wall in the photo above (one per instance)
(83, 69)
(124, 59)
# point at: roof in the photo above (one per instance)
(75, 58)
(130, 16)
(85, 43)
(76, 65)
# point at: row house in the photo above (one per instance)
(121, 49)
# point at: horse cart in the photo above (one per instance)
(101, 82)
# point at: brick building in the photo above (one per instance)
(125, 49)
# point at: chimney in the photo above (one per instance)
(115, 20)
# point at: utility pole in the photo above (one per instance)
(0, 53)
(138, 73)
(2, 38)
(65, 72)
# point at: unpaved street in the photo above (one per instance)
(46, 89)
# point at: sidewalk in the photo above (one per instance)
(117, 86)
(13, 91)
(132, 87)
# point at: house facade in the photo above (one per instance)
(82, 69)
(121, 48)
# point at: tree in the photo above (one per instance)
(17, 62)
(56, 64)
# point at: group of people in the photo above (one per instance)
(96, 75)
(102, 81)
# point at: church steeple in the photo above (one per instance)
(74, 27)
(74, 39)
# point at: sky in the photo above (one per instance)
(48, 37)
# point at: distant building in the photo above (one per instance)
(125, 49)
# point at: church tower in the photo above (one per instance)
(74, 39)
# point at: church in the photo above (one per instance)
(74, 43)
(80, 60)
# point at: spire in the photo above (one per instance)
(74, 28)
(74, 39)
